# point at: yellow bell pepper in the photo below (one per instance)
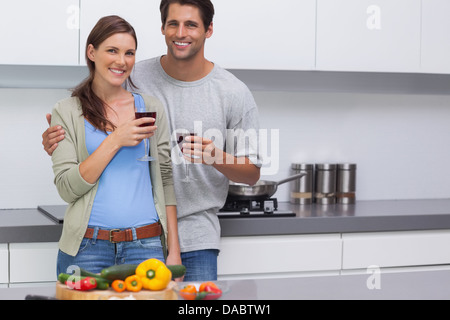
(154, 274)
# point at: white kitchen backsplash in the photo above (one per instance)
(399, 141)
(26, 176)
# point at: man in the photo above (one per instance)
(199, 97)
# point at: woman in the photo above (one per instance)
(120, 210)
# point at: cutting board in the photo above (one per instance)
(63, 293)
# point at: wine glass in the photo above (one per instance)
(142, 113)
(181, 138)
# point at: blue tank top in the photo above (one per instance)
(124, 197)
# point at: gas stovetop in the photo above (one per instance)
(263, 208)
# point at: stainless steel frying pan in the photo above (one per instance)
(262, 189)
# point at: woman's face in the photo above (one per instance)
(114, 59)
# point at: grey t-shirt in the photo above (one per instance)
(216, 107)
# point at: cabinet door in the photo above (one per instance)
(43, 32)
(4, 264)
(263, 34)
(435, 36)
(279, 254)
(33, 262)
(143, 15)
(368, 35)
(395, 249)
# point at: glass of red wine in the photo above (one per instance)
(181, 138)
(142, 113)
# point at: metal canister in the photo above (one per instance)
(325, 183)
(346, 183)
(302, 189)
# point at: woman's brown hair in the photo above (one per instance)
(92, 106)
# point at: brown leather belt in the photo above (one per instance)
(117, 235)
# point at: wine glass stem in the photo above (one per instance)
(146, 143)
(187, 171)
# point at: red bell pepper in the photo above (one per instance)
(211, 290)
(85, 284)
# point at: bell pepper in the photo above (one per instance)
(154, 274)
(133, 283)
(84, 284)
(210, 290)
(119, 285)
(207, 284)
(189, 292)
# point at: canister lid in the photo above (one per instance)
(347, 166)
(326, 166)
(302, 166)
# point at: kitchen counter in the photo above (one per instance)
(364, 216)
(33, 225)
(27, 225)
(420, 285)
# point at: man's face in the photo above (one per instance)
(184, 32)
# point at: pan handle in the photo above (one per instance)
(294, 177)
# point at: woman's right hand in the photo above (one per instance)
(131, 134)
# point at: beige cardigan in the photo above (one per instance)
(78, 193)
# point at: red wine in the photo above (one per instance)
(140, 115)
(181, 138)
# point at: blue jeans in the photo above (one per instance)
(201, 265)
(95, 255)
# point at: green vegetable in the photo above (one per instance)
(102, 284)
(118, 272)
(62, 277)
(122, 271)
(201, 295)
(177, 270)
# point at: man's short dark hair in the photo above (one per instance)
(205, 6)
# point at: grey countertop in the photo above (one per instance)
(27, 225)
(418, 285)
(364, 216)
(33, 225)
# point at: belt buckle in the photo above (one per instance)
(111, 235)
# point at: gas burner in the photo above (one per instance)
(252, 208)
(246, 206)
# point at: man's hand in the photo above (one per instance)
(201, 150)
(52, 136)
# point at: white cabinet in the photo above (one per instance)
(4, 264)
(33, 262)
(368, 35)
(143, 15)
(395, 249)
(435, 36)
(43, 32)
(263, 34)
(252, 256)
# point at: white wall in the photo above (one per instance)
(26, 176)
(399, 141)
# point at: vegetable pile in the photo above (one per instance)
(207, 291)
(151, 274)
